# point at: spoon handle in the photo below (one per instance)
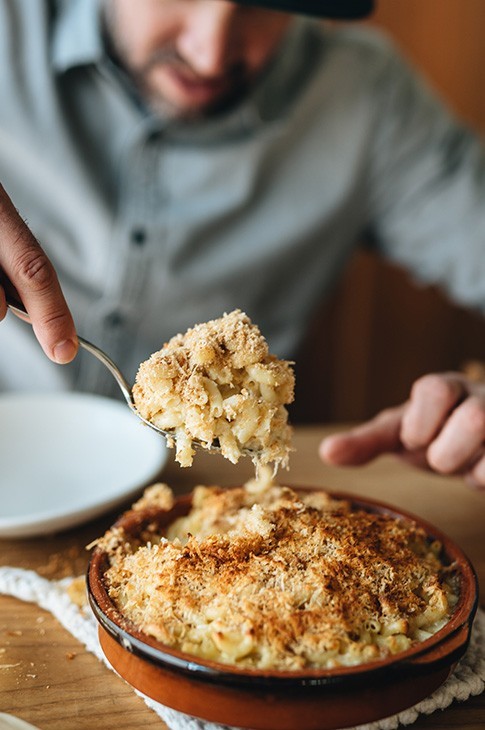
(16, 306)
(112, 367)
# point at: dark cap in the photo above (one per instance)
(337, 9)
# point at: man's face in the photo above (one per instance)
(191, 58)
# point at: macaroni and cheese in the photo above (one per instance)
(266, 577)
(218, 384)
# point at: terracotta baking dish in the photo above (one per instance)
(263, 700)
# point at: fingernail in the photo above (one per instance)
(65, 351)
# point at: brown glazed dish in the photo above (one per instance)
(264, 700)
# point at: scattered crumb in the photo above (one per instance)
(62, 565)
(40, 620)
(76, 591)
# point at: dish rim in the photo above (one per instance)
(445, 647)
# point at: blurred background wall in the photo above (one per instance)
(380, 331)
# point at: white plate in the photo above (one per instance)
(67, 457)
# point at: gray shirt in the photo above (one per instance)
(154, 225)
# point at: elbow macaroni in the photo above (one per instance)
(219, 384)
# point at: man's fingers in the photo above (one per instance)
(475, 476)
(441, 427)
(40, 292)
(25, 265)
(445, 417)
(461, 439)
(364, 443)
(432, 398)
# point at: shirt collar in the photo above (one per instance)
(77, 38)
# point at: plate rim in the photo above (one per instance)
(37, 522)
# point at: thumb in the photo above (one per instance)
(365, 442)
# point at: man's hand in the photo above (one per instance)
(24, 265)
(441, 427)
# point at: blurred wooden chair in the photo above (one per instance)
(379, 331)
(376, 335)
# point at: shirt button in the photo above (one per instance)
(138, 236)
(153, 137)
(114, 319)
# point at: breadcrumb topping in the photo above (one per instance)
(267, 577)
(218, 384)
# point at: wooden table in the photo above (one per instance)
(57, 685)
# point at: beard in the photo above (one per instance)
(237, 79)
(237, 83)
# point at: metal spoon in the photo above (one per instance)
(16, 306)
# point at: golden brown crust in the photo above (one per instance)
(263, 576)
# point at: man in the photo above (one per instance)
(179, 158)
